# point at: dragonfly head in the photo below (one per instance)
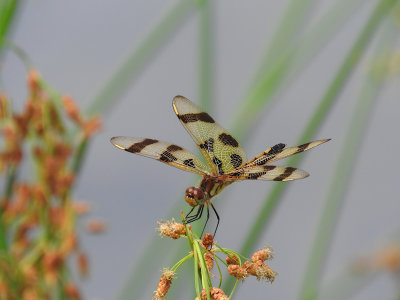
(195, 196)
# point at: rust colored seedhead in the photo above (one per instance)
(194, 196)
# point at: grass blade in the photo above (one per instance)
(8, 9)
(290, 61)
(291, 25)
(344, 72)
(341, 179)
(347, 285)
(135, 62)
(206, 62)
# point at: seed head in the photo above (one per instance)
(215, 294)
(261, 271)
(71, 109)
(388, 258)
(80, 207)
(209, 258)
(72, 291)
(171, 229)
(263, 255)
(208, 240)
(96, 226)
(232, 259)
(237, 271)
(164, 284)
(91, 126)
(82, 262)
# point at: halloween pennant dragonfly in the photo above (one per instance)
(225, 159)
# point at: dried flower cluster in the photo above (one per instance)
(171, 229)
(215, 294)
(205, 252)
(38, 215)
(164, 284)
(256, 267)
(386, 259)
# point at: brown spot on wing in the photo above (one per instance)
(269, 168)
(218, 163)
(208, 145)
(173, 148)
(262, 161)
(137, 147)
(255, 175)
(302, 148)
(288, 171)
(236, 160)
(268, 155)
(189, 162)
(167, 157)
(277, 148)
(203, 116)
(236, 174)
(227, 139)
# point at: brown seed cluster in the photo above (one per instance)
(171, 229)
(88, 126)
(385, 259)
(209, 259)
(96, 226)
(208, 240)
(256, 267)
(164, 284)
(215, 294)
(38, 214)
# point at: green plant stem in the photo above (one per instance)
(180, 262)
(398, 285)
(290, 27)
(289, 62)
(219, 271)
(342, 173)
(205, 280)
(3, 237)
(324, 31)
(346, 285)
(80, 155)
(332, 93)
(8, 10)
(10, 179)
(130, 68)
(20, 53)
(206, 50)
(196, 274)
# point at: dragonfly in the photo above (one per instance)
(225, 160)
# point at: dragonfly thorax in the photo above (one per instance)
(195, 196)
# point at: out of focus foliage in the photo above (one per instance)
(38, 238)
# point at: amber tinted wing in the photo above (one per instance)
(266, 172)
(259, 168)
(168, 153)
(220, 149)
(279, 152)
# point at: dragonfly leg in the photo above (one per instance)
(205, 224)
(187, 216)
(215, 231)
(197, 216)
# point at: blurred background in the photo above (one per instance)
(270, 72)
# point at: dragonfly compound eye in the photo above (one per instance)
(194, 196)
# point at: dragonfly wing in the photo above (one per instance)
(165, 152)
(267, 172)
(279, 152)
(221, 150)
